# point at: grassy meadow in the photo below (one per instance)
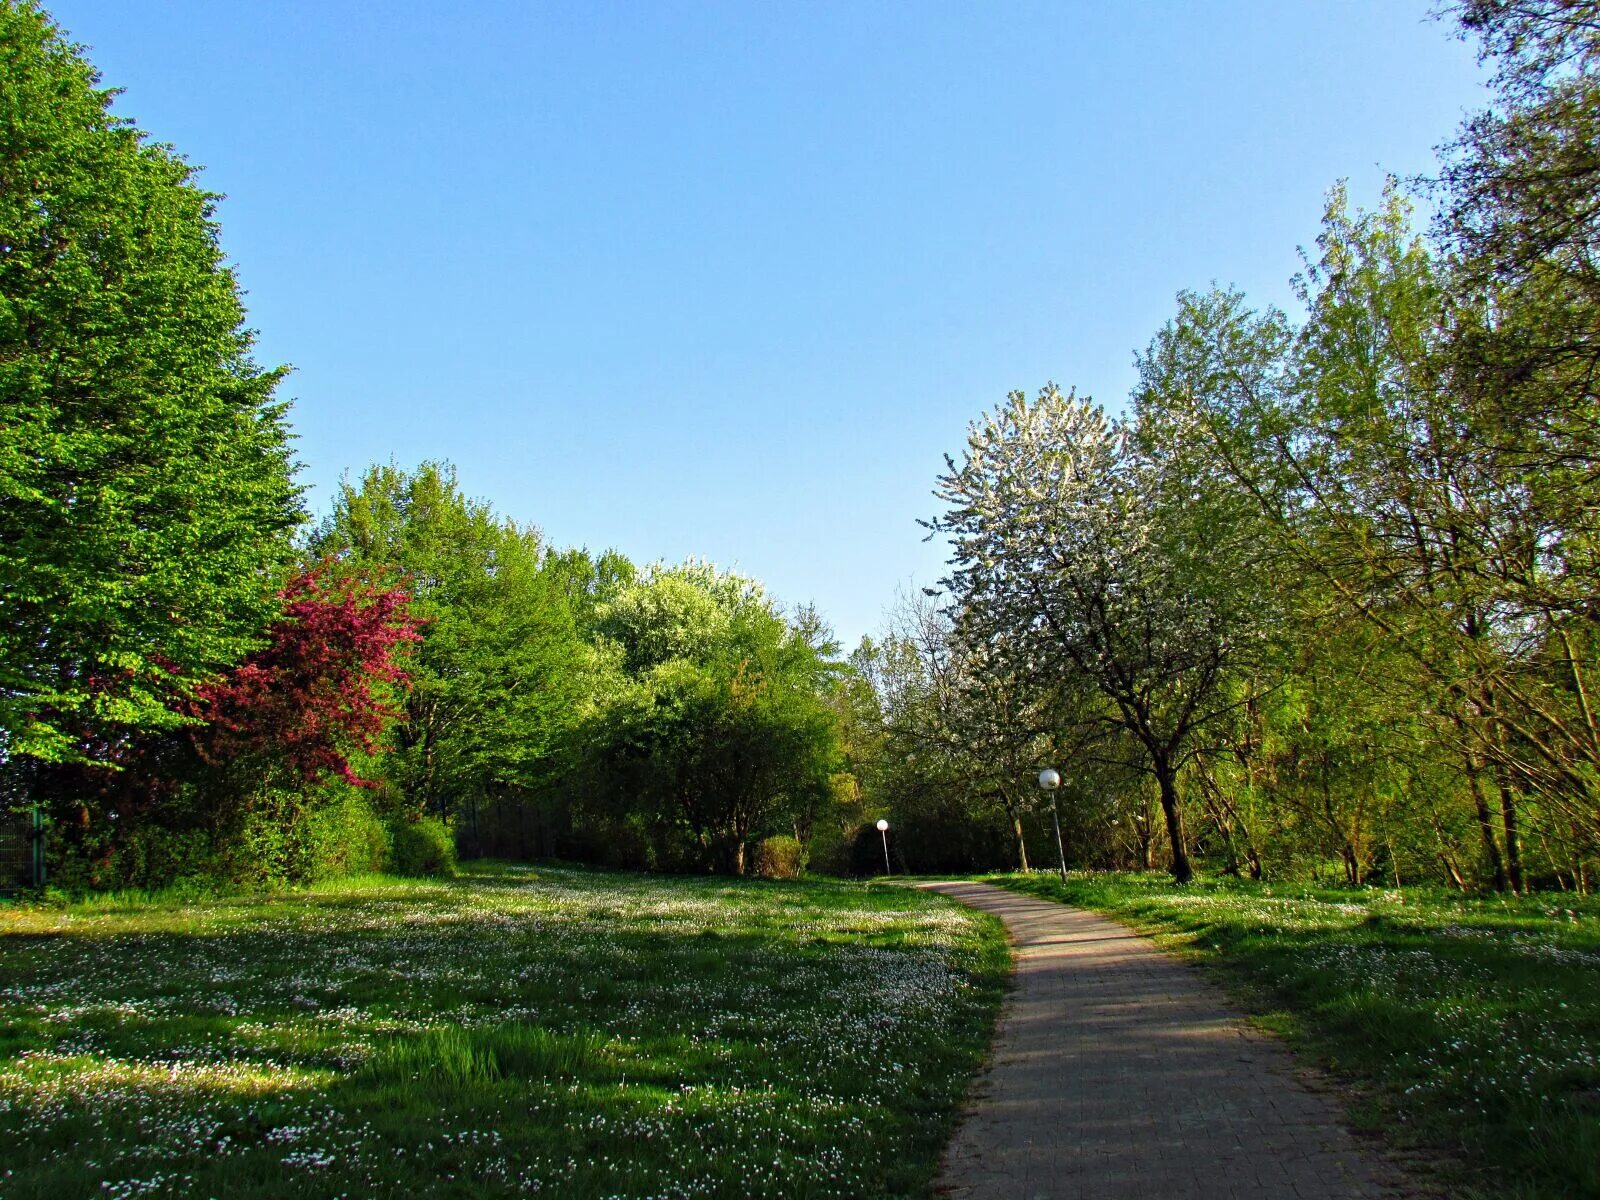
(1466, 1028)
(514, 1031)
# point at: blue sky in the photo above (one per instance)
(728, 280)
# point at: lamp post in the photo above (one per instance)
(883, 832)
(1050, 783)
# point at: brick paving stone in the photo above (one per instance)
(1119, 1071)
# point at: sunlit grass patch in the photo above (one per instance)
(36, 1076)
(1468, 1027)
(514, 1032)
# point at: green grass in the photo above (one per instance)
(511, 1032)
(1466, 1030)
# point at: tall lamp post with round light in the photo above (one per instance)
(1050, 783)
(883, 832)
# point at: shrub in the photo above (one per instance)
(779, 858)
(275, 836)
(291, 835)
(423, 846)
(627, 845)
(347, 837)
(155, 857)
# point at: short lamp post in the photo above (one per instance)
(1050, 784)
(883, 832)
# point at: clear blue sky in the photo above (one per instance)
(728, 279)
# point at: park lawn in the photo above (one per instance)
(514, 1031)
(1466, 1028)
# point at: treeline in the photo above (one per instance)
(195, 681)
(1327, 599)
(436, 678)
(561, 704)
(1323, 602)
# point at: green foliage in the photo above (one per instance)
(145, 477)
(683, 613)
(829, 832)
(1468, 1025)
(716, 730)
(589, 582)
(153, 857)
(1333, 585)
(422, 846)
(780, 857)
(267, 836)
(271, 840)
(347, 837)
(378, 1037)
(502, 666)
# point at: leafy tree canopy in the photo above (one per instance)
(721, 728)
(146, 489)
(501, 666)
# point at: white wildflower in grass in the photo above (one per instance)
(515, 1032)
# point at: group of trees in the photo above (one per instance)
(1324, 598)
(192, 680)
(1329, 592)
(563, 704)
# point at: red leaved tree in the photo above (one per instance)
(325, 686)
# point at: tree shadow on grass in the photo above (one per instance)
(358, 1040)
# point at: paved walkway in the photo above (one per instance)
(1120, 1072)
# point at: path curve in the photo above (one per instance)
(1119, 1071)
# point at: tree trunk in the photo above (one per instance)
(1446, 859)
(1454, 872)
(1491, 848)
(1144, 841)
(1166, 780)
(1253, 859)
(1231, 867)
(1022, 845)
(1218, 812)
(1508, 819)
(1352, 864)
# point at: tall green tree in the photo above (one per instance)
(501, 666)
(1395, 483)
(146, 491)
(1522, 226)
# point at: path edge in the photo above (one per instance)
(1425, 1176)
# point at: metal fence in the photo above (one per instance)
(21, 850)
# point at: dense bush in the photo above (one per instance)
(153, 857)
(282, 836)
(424, 846)
(348, 838)
(780, 857)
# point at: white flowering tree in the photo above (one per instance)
(1078, 560)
